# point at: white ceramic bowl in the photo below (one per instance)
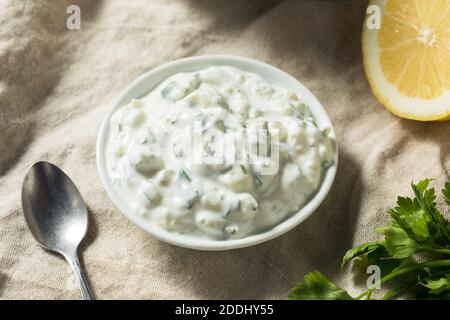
(151, 79)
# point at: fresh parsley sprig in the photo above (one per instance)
(415, 253)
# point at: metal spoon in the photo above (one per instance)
(56, 215)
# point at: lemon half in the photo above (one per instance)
(407, 60)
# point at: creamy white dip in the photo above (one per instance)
(151, 165)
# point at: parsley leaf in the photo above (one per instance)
(438, 225)
(398, 243)
(316, 286)
(411, 217)
(360, 250)
(446, 192)
(415, 252)
(438, 286)
(381, 258)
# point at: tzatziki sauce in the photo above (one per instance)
(165, 161)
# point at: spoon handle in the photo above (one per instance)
(79, 275)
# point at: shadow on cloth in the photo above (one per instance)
(232, 14)
(3, 278)
(436, 133)
(294, 29)
(36, 46)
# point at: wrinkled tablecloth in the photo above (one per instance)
(56, 86)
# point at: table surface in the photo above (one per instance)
(57, 84)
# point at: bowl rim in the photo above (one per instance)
(195, 63)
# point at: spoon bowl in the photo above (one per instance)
(56, 214)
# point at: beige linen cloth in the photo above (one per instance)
(56, 86)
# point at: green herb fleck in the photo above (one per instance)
(193, 200)
(225, 170)
(167, 91)
(257, 180)
(326, 132)
(220, 125)
(184, 175)
(227, 213)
